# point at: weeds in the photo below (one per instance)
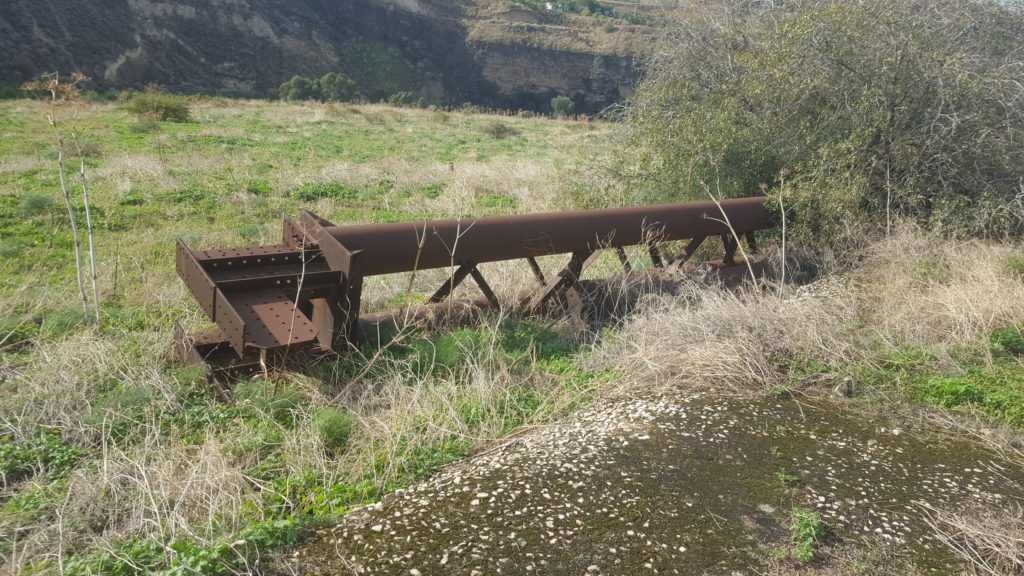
(45, 453)
(786, 478)
(806, 531)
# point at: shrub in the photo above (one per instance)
(338, 88)
(160, 106)
(806, 529)
(332, 87)
(562, 105)
(499, 130)
(874, 109)
(299, 88)
(402, 99)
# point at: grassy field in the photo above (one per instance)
(110, 453)
(114, 460)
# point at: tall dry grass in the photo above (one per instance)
(911, 289)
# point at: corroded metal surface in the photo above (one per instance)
(305, 292)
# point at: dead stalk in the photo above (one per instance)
(725, 220)
(88, 222)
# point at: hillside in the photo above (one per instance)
(493, 54)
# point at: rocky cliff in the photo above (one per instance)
(445, 52)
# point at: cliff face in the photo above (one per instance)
(440, 50)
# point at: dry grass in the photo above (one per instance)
(988, 542)
(908, 290)
(927, 291)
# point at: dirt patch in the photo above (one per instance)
(695, 485)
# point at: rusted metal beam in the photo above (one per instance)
(537, 272)
(485, 288)
(567, 277)
(626, 266)
(405, 246)
(656, 260)
(451, 284)
(688, 252)
(306, 292)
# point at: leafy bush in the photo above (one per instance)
(338, 88)
(873, 109)
(331, 87)
(562, 105)
(299, 88)
(161, 107)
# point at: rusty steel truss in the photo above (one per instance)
(305, 293)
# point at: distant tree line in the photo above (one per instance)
(336, 87)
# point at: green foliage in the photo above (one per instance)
(258, 188)
(318, 190)
(132, 558)
(786, 478)
(336, 87)
(851, 110)
(186, 557)
(1008, 341)
(157, 106)
(334, 426)
(300, 88)
(806, 530)
(119, 412)
(402, 98)
(331, 87)
(11, 92)
(145, 125)
(14, 331)
(998, 392)
(43, 453)
(250, 233)
(420, 462)
(498, 130)
(1015, 265)
(562, 105)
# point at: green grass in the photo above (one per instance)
(225, 177)
(985, 379)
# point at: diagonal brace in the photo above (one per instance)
(567, 278)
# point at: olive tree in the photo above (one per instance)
(857, 111)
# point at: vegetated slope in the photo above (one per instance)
(442, 51)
